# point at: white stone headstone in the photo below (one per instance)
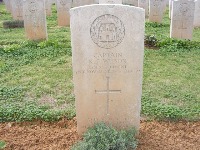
(96, 1)
(170, 8)
(63, 7)
(77, 3)
(197, 14)
(131, 2)
(110, 1)
(17, 9)
(156, 10)
(182, 19)
(107, 54)
(48, 5)
(35, 19)
(145, 5)
(8, 5)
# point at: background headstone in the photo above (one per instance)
(35, 19)
(182, 19)
(8, 5)
(17, 9)
(197, 14)
(48, 5)
(107, 54)
(156, 10)
(170, 8)
(77, 3)
(110, 1)
(63, 7)
(145, 5)
(130, 2)
(96, 1)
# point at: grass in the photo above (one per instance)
(2, 144)
(36, 77)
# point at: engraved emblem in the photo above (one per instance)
(184, 9)
(63, 2)
(107, 31)
(32, 6)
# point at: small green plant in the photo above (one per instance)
(13, 24)
(2, 144)
(151, 41)
(102, 137)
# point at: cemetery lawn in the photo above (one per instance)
(36, 85)
(36, 77)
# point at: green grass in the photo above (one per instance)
(36, 77)
(2, 144)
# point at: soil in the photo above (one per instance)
(62, 135)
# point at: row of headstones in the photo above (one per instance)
(183, 12)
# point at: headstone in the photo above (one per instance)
(17, 9)
(77, 3)
(63, 7)
(35, 19)
(170, 7)
(197, 14)
(182, 19)
(96, 1)
(48, 5)
(110, 1)
(156, 10)
(131, 2)
(145, 5)
(8, 5)
(107, 49)
(167, 2)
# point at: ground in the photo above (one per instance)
(63, 134)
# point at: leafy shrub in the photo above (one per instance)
(170, 44)
(151, 41)
(173, 45)
(102, 137)
(13, 24)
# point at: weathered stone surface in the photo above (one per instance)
(63, 7)
(145, 5)
(8, 5)
(170, 7)
(17, 9)
(107, 64)
(130, 2)
(48, 5)
(77, 3)
(156, 10)
(35, 19)
(96, 1)
(110, 1)
(182, 19)
(197, 14)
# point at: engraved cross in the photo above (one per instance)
(107, 92)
